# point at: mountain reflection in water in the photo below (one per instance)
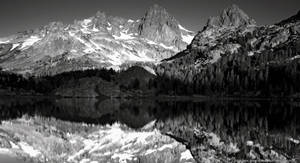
(272, 124)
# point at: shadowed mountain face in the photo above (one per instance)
(231, 17)
(158, 25)
(234, 55)
(98, 41)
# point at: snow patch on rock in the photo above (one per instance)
(250, 53)
(86, 22)
(249, 143)
(186, 155)
(4, 42)
(151, 70)
(95, 29)
(123, 36)
(29, 149)
(295, 141)
(130, 21)
(187, 38)
(15, 46)
(295, 57)
(184, 29)
(29, 42)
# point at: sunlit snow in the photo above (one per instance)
(149, 69)
(5, 151)
(95, 29)
(295, 141)
(109, 28)
(123, 36)
(86, 22)
(130, 21)
(167, 47)
(4, 42)
(182, 28)
(29, 42)
(249, 143)
(29, 149)
(160, 44)
(295, 57)
(186, 155)
(14, 46)
(187, 38)
(85, 30)
(250, 53)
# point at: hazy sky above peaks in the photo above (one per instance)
(20, 15)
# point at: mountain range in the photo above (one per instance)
(234, 55)
(155, 57)
(231, 55)
(101, 41)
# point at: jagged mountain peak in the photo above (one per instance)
(100, 14)
(225, 25)
(54, 26)
(159, 14)
(99, 41)
(160, 26)
(157, 10)
(232, 16)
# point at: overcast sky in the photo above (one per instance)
(20, 15)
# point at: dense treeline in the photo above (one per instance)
(47, 84)
(273, 73)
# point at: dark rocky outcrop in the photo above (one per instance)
(292, 19)
(232, 16)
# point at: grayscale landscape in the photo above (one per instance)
(214, 85)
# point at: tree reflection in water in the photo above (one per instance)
(235, 125)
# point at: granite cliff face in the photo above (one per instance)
(231, 17)
(159, 26)
(232, 51)
(96, 42)
(212, 40)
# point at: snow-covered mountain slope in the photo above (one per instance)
(95, 42)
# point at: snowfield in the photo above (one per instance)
(182, 28)
(187, 38)
(29, 42)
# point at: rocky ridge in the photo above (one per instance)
(99, 41)
(234, 30)
(230, 17)
(233, 49)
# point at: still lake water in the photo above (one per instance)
(272, 124)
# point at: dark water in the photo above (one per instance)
(271, 123)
